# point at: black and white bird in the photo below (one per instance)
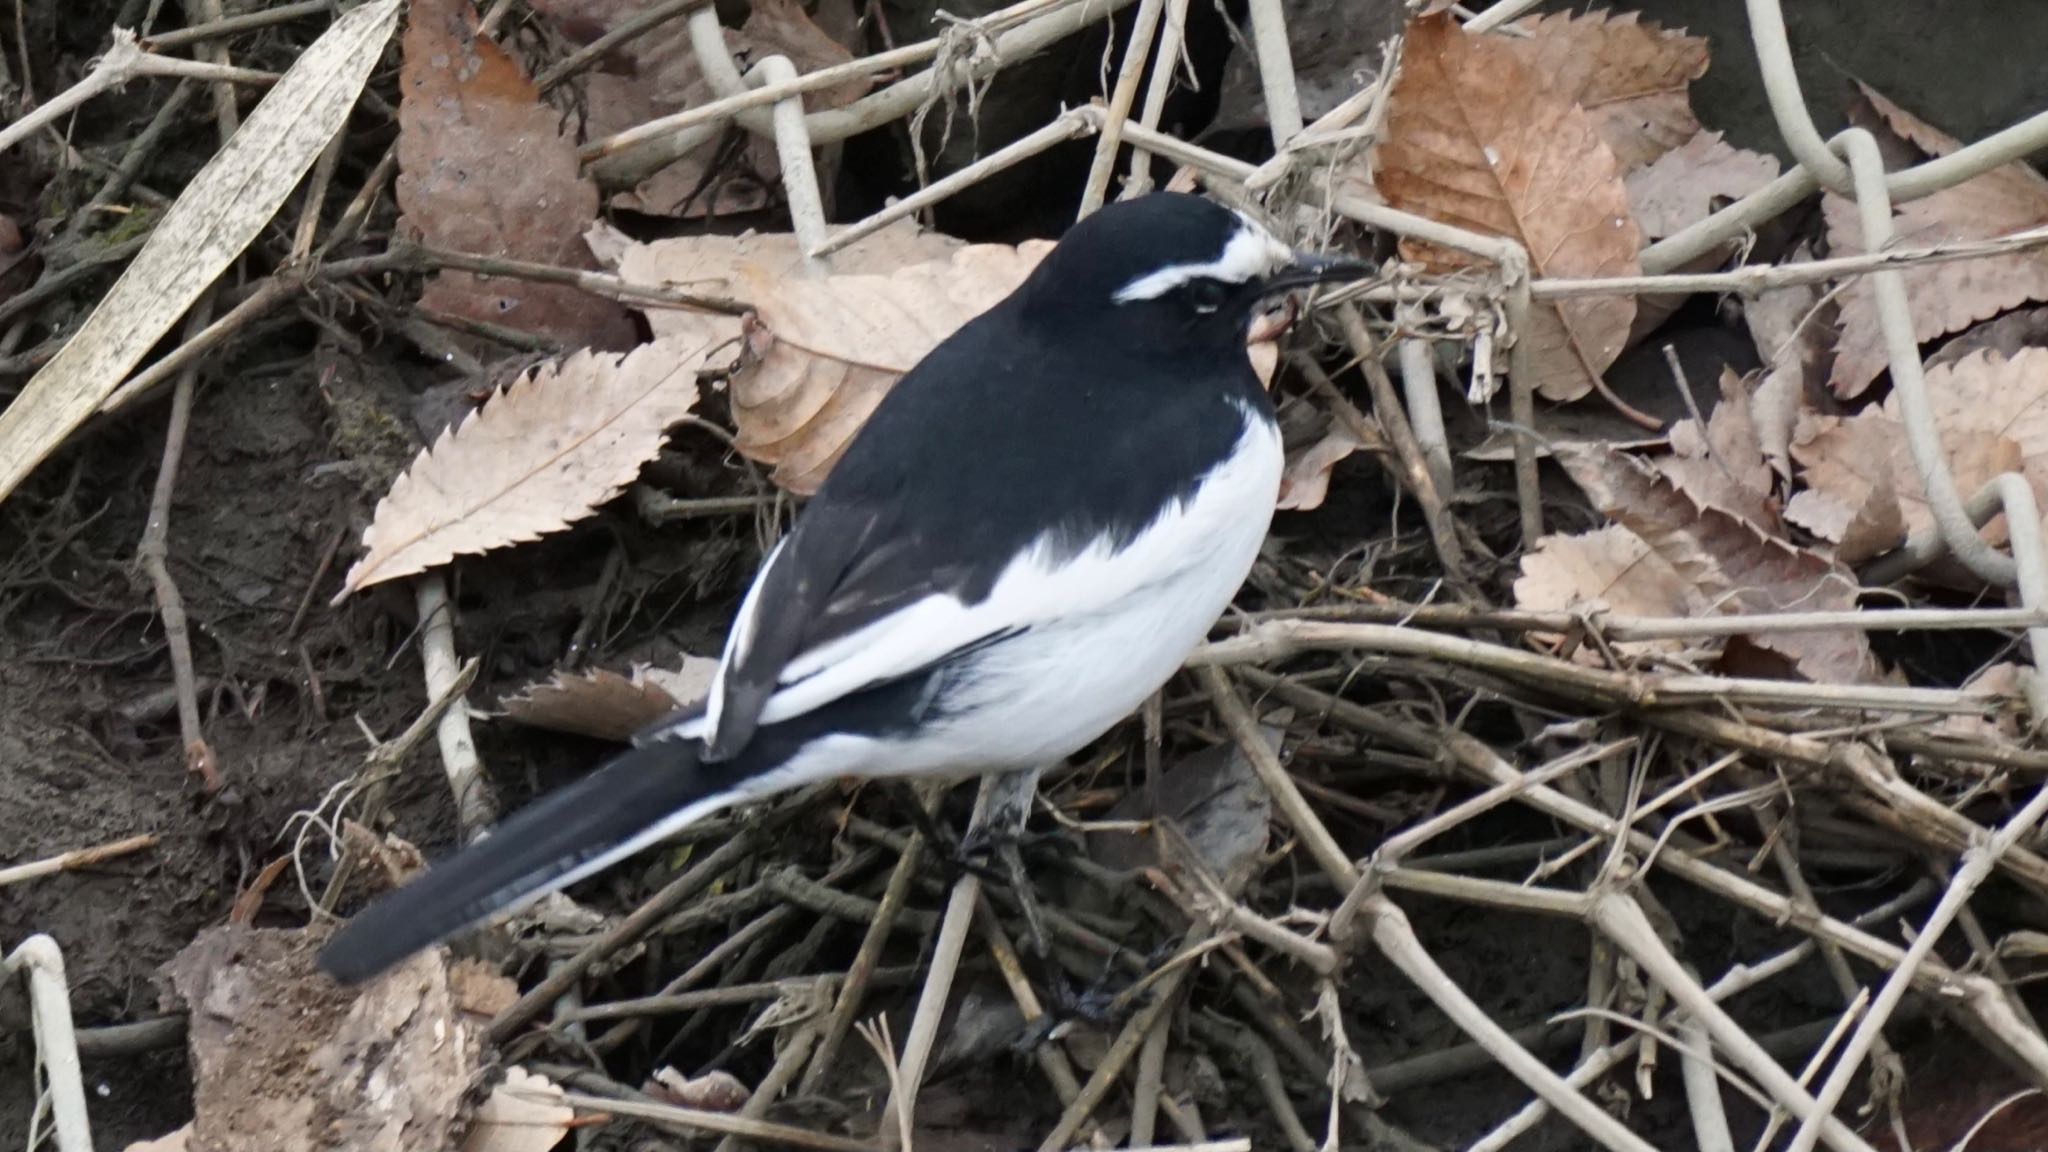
(1029, 536)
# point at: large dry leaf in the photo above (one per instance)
(1730, 562)
(1683, 186)
(607, 706)
(483, 168)
(1478, 139)
(1723, 465)
(1633, 78)
(1608, 569)
(1306, 482)
(1946, 297)
(221, 210)
(1992, 415)
(830, 347)
(537, 457)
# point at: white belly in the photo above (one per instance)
(1035, 699)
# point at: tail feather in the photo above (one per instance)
(637, 798)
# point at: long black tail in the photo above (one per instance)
(637, 798)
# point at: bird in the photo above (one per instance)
(1027, 538)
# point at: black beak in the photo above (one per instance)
(1309, 268)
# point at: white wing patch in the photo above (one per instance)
(1251, 253)
(737, 642)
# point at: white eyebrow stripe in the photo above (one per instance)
(1252, 252)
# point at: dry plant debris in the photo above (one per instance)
(1633, 78)
(657, 73)
(607, 706)
(1685, 185)
(1478, 138)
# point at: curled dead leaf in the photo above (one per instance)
(535, 458)
(1478, 138)
(834, 345)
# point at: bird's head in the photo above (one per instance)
(1174, 268)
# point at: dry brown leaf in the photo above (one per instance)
(177, 1141)
(1608, 569)
(1948, 297)
(1633, 78)
(535, 458)
(656, 74)
(607, 706)
(1724, 464)
(483, 169)
(1476, 138)
(1732, 564)
(1850, 496)
(715, 1091)
(1681, 187)
(831, 347)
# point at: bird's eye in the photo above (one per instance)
(1207, 295)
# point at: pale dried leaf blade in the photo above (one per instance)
(1735, 566)
(1634, 79)
(1478, 139)
(1683, 186)
(220, 211)
(1946, 297)
(537, 457)
(1850, 496)
(484, 168)
(524, 1113)
(836, 344)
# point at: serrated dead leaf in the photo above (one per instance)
(1682, 187)
(1634, 79)
(1789, 340)
(1477, 138)
(1946, 297)
(607, 706)
(832, 346)
(535, 458)
(483, 169)
(1723, 465)
(1733, 565)
(1608, 569)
